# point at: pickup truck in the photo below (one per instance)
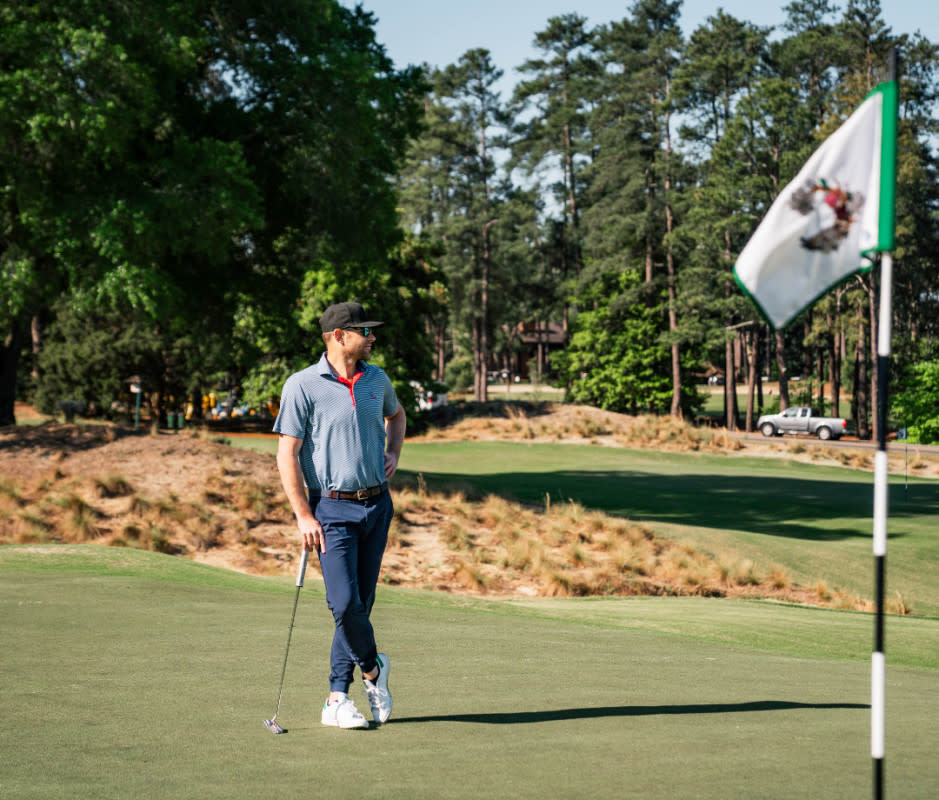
(801, 419)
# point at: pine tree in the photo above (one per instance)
(720, 70)
(633, 174)
(552, 132)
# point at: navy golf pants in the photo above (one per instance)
(356, 535)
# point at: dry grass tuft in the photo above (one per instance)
(112, 486)
(138, 504)
(252, 496)
(29, 528)
(779, 578)
(396, 537)
(561, 549)
(897, 605)
(109, 510)
(468, 575)
(556, 422)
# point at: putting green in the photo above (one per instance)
(132, 674)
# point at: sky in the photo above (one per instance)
(438, 32)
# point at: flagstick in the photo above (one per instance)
(878, 661)
(884, 333)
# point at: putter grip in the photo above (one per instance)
(302, 571)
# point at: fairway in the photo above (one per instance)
(133, 674)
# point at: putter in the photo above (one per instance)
(271, 724)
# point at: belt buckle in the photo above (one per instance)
(361, 494)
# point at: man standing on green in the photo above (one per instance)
(341, 430)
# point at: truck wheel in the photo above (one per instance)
(824, 433)
(768, 429)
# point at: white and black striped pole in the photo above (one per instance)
(878, 659)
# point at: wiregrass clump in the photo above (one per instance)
(109, 510)
(558, 422)
(490, 545)
(112, 486)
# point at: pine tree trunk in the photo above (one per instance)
(479, 369)
(808, 352)
(440, 339)
(837, 348)
(761, 367)
(10, 350)
(860, 379)
(730, 386)
(483, 327)
(751, 338)
(782, 370)
(572, 193)
(820, 372)
(154, 402)
(36, 332)
(675, 409)
(484, 333)
(833, 367)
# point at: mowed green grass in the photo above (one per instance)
(134, 674)
(814, 521)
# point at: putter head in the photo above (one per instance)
(273, 727)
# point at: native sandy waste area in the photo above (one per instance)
(190, 493)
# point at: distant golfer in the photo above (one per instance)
(341, 430)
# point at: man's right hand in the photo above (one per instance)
(311, 533)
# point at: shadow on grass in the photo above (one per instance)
(561, 714)
(775, 506)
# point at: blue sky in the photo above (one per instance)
(440, 31)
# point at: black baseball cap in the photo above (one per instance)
(346, 315)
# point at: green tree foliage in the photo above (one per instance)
(89, 354)
(917, 230)
(214, 176)
(551, 107)
(914, 404)
(717, 78)
(457, 197)
(655, 221)
(616, 359)
(630, 209)
(191, 161)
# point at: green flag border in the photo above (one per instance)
(887, 217)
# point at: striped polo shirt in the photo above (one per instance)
(342, 425)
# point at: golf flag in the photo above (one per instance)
(837, 211)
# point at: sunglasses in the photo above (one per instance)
(366, 332)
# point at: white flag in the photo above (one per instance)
(837, 210)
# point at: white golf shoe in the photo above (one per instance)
(343, 714)
(379, 698)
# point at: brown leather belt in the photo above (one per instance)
(358, 494)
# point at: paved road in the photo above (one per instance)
(846, 442)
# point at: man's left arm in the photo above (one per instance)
(395, 427)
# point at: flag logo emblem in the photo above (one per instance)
(835, 209)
